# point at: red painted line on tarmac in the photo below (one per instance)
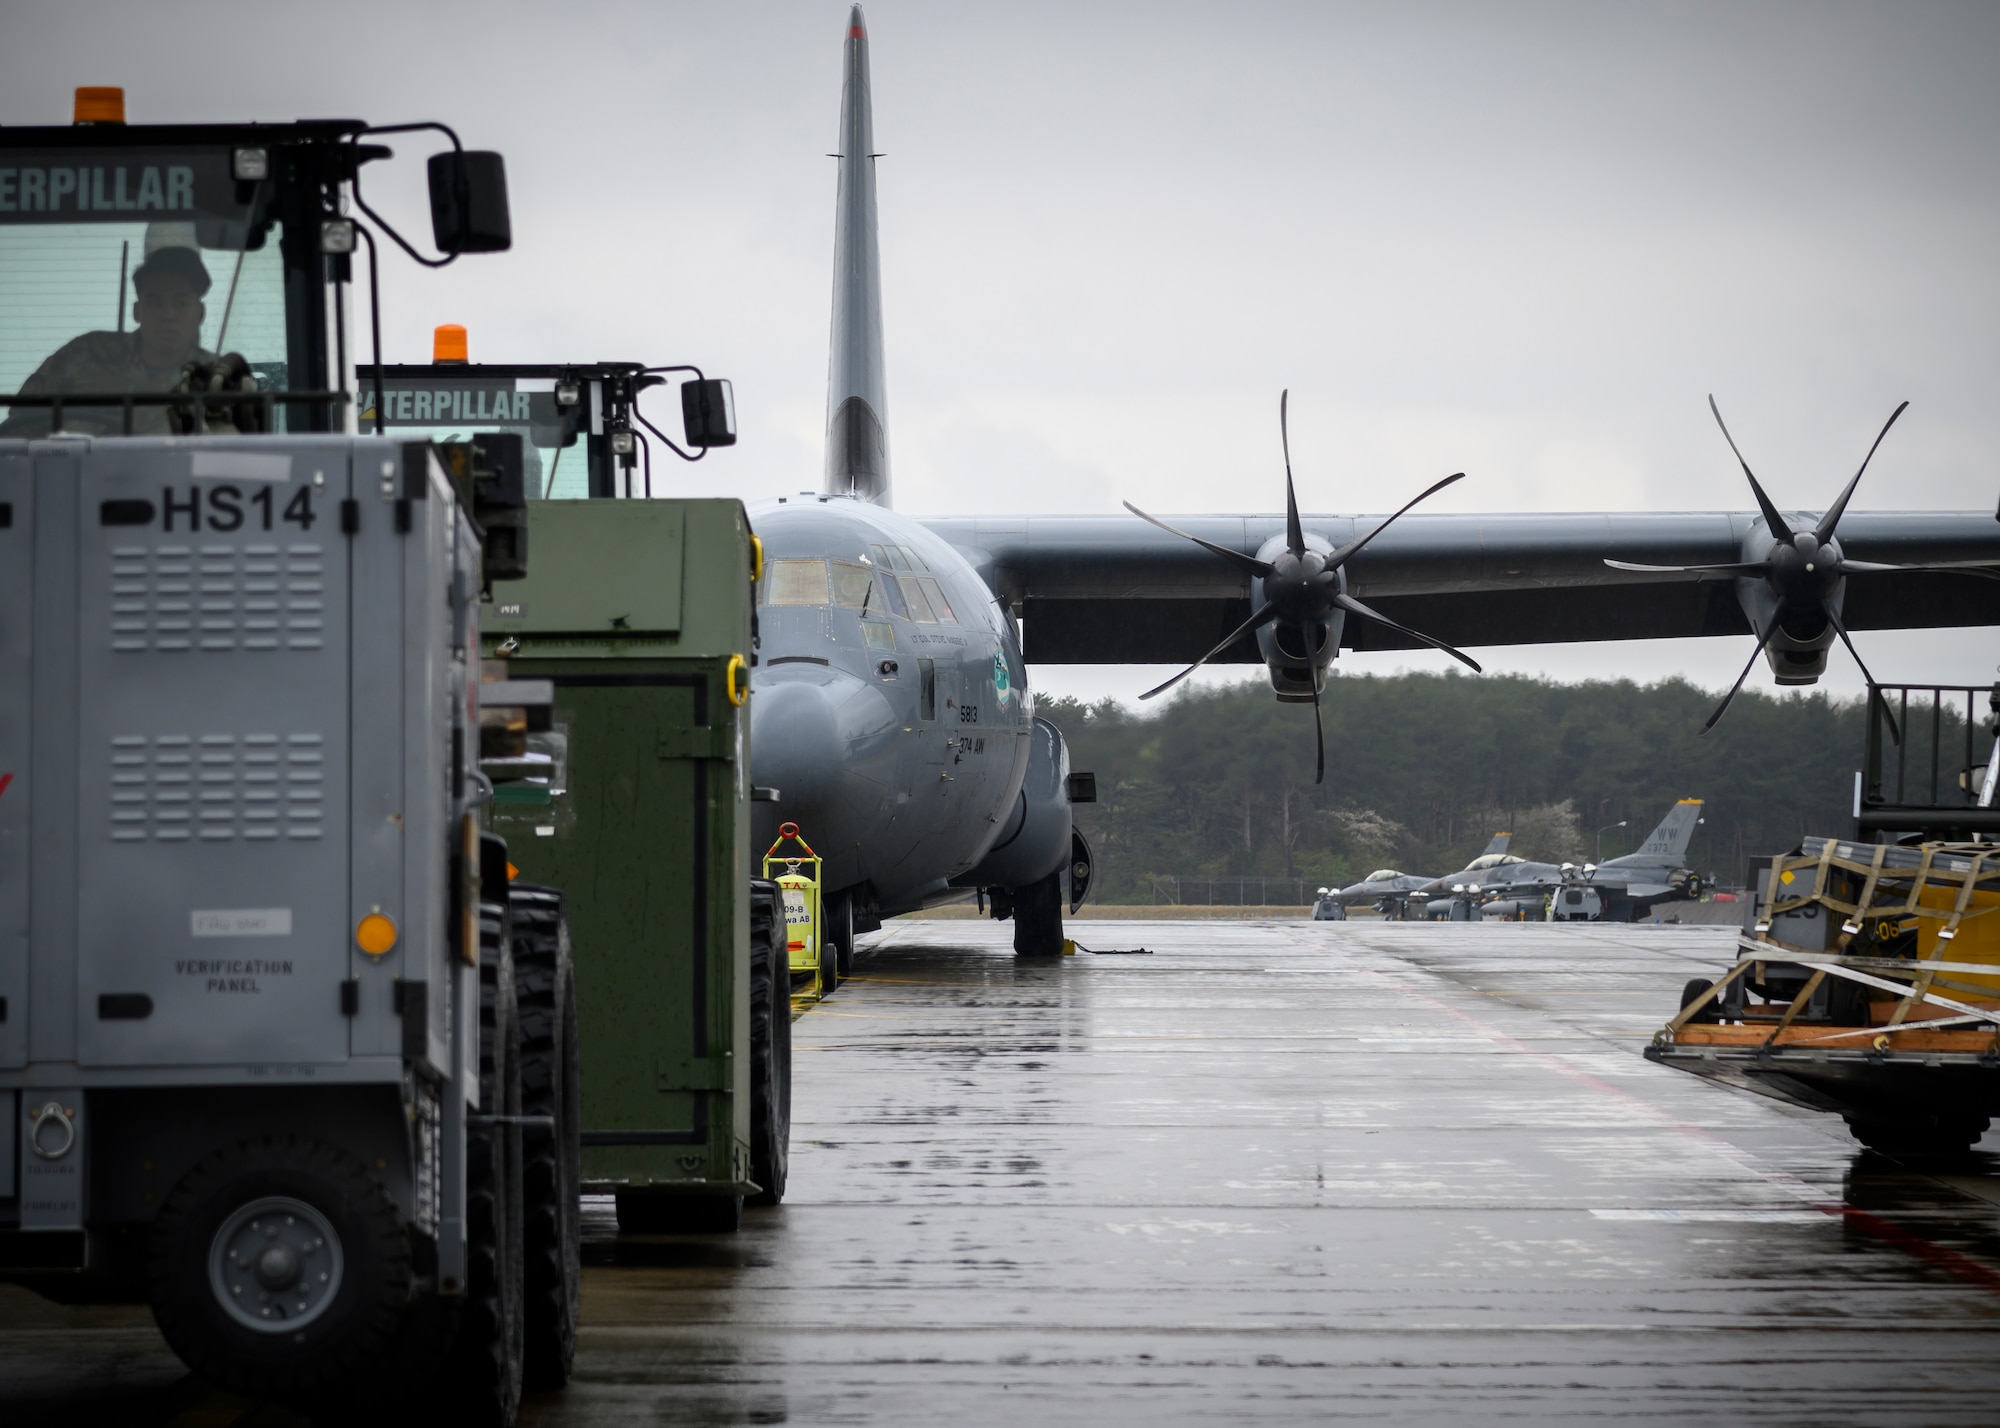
(1916, 1246)
(1951, 1261)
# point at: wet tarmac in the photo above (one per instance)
(1277, 1172)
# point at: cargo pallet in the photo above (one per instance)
(1869, 978)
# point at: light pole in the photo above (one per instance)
(1606, 829)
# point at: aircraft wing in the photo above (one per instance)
(1115, 590)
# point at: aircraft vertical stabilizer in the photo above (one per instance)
(1670, 840)
(857, 443)
(1499, 844)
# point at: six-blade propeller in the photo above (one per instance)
(1803, 568)
(1301, 587)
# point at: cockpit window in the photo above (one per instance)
(898, 557)
(918, 601)
(1382, 875)
(892, 592)
(1493, 860)
(796, 582)
(940, 606)
(854, 587)
(116, 273)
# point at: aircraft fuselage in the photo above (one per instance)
(890, 707)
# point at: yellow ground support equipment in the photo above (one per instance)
(798, 875)
(1868, 984)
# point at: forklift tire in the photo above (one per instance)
(770, 1048)
(643, 1211)
(1920, 1134)
(1038, 913)
(551, 1160)
(340, 1232)
(1693, 992)
(481, 1381)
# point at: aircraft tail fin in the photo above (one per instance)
(857, 440)
(1670, 839)
(1499, 844)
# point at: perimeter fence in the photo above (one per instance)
(1201, 890)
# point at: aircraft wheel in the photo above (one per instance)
(1038, 910)
(840, 932)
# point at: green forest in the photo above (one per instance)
(1421, 769)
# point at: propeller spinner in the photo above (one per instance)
(1803, 569)
(1297, 587)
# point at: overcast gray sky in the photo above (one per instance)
(1522, 240)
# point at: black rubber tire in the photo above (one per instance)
(1920, 1134)
(1847, 1002)
(551, 1161)
(642, 1211)
(481, 1381)
(347, 1344)
(840, 932)
(1038, 916)
(1693, 992)
(770, 1047)
(829, 959)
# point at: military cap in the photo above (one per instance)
(184, 261)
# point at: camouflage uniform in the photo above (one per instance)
(98, 362)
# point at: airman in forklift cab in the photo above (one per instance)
(167, 310)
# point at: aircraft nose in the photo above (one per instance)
(795, 746)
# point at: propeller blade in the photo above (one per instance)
(1295, 534)
(1348, 602)
(1840, 628)
(1754, 567)
(1261, 618)
(1247, 563)
(1824, 530)
(1352, 546)
(1319, 736)
(1772, 519)
(1990, 569)
(1765, 639)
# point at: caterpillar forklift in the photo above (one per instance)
(640, 615)
(282, 1052)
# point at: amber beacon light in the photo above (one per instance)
(448, 343)
(100, 104)
(375, 934)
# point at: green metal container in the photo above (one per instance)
(640, 611)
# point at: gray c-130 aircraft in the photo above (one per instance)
(892, 710)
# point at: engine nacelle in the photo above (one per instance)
(1035, 841)
(1298, 652)
(1797, 652)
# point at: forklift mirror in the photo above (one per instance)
(708, 412)
(469, 202)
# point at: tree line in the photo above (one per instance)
(1422, 769)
